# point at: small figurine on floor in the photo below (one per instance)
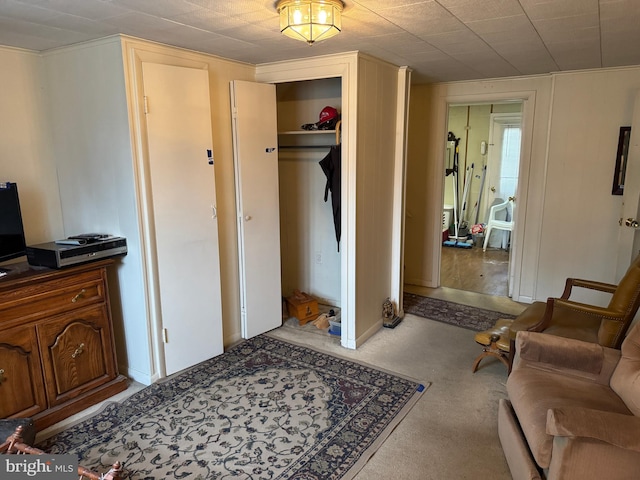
(389, 317)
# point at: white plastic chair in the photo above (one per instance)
(497, 224)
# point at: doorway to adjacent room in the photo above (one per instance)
(482, 161)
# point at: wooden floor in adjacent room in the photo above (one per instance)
(473, 270)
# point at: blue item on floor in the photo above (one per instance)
(335, 330)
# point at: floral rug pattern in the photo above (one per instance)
(472, 318)
(266, 409)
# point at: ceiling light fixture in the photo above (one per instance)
(310, 20)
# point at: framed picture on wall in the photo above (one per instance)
(621, 161)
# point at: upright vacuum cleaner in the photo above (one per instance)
(454, 241)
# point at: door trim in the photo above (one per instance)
(345, 67)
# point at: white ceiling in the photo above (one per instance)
(441, 40)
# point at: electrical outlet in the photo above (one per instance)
(319, 258)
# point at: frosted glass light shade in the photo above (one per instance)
(310, 20)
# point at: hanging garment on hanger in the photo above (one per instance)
(332, 167)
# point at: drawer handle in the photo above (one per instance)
(78, 296)
(78, 351)
(2, 379)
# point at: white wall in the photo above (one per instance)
(25, 154)
(580, 228)
(92, 145)
(376, 143)
(571, 219)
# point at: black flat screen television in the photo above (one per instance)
(12, 242)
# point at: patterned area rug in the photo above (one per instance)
(464, 316)
(266, 409)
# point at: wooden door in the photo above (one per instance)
(178, 120)
(255, 139)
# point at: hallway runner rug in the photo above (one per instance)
(472, 318)
(265, 409)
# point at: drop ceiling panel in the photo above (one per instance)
(441, 40)
(488, 64)
(133, 22)
(402, 43)
(79, 24)
(159, 8)
(620, 32)
(585, 26)
(576, 54)
(457, 42)
(556, 9)
(473, 10)
(500, 30)
(26, 12)
(21, 40)
(91, 9)
(46, 33)
(426, 18)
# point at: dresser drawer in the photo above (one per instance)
(51, 297)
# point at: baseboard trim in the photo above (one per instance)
(369, 333)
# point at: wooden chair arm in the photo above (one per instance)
(590, 284)
(603, 312)
(14, 444)
(545, 321)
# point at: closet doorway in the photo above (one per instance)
(287, 232)
(309, 247)
(482, 159)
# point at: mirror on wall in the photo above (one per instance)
(621, 161)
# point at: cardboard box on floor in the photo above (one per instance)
(302, 306)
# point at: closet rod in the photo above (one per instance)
(300, 147)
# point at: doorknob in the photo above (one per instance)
(632, 222)
(247, 218)
(493, 189)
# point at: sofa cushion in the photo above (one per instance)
(625, 380)
(533, 392)
(567, 353)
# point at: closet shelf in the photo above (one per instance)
(337, 132)
(306, 132)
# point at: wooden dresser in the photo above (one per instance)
(57, 353)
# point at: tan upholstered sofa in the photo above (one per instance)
(573, 410)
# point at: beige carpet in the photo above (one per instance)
(451, 433)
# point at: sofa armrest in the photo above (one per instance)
(617, 429)
(565, 355)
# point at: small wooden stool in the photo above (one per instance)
(495, 343)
